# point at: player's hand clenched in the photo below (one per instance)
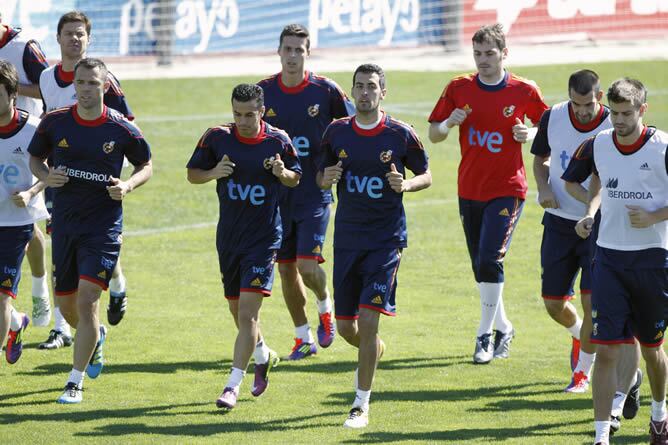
(57, 177)
(457, 116)
(584, 226)
(331, 175)
(547, 200)
(21, 199)
(640, 218)
(520, 131)
(224, 168)
(118, 189)
(277, 166)
(395, 179)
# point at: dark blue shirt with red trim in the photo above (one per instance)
(370, 215)
(249, 212)
(34, 60)
(304, 111)
(92, 152)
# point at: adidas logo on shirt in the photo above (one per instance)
(63, 143)
(18, 151)
(645, 166)
(271, 113)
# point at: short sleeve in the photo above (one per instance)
(541, 144)
(445, 105)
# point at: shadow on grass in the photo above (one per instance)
(518, 392)
(540, 433)
(146, 368)
(311, 365)
(236, 424)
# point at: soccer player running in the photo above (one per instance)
(630, 272)
(29, 60)
(303, 104)
(58, 91)
(367, 156)
(250, 161)
(21, 206)
(489, 107)
(87, 143)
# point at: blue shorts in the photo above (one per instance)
(365, 278)
(91, 257)
(305, 235)
(488, 227)
(628, 303)
(13, 240)
(246, 272)
(562, 255)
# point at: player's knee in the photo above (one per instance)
(307, 269)
(346, 329)
(607, 355)
(554, 307)
(4, 303)
(653, 355)
(489, 270)
(287, 271)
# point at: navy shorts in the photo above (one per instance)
(246, 272)
(13, 240)
(488, 227)
(90, 256)
(305, 235)
(365, 278)
(562, 255)
(628, 303)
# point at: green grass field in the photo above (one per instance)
(169, 358)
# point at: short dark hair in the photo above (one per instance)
(584, 82)
(627, 90)
(245, 92)
(296, 30)
(491, 34)
(369, 68)
(9, 77)
(92, 63)
(72, 17)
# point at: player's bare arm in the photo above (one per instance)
(30, 91)
(399, 184)
(53, 177)
(584, 226)
(541, 171)
(641, 218)
(287, 177)
(21, 199)
(438, 131)
(330, 176)
(577, 191)
(119, 189)
(223, 169)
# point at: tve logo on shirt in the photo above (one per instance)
(492, 141)
(364, 184)
(302, 145)
(9, 173)
(253, 193)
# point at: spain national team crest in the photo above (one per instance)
(386, 156)
(314, 110)
(508, 111)
(108, 147)
(267, 163)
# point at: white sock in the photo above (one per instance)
(236, 376)
(76, 377)
(658, 410)
(325, 305)
(40, 286)
(585, 362)
(60, 323)
(501, 322)
(304, 332)
(490, 294)
(602, 431)
(618, 404)
(16, 320)
(362, 399)
(261, 353)
(575, 329)
(117, 285)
